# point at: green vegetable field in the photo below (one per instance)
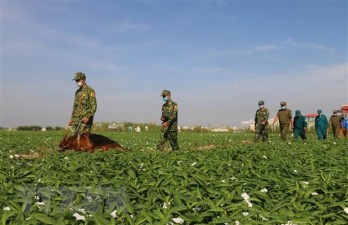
(216, 178)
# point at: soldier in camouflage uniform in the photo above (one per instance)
(261, 122)
(284, 115)
(335, 122)
(85, 106)
(169, 118)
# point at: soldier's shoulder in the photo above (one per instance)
(264, 109)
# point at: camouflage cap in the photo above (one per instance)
(165, 93)
(335, 111)
(282, 103)
(79, 76)
(298, 112)
(261, 102)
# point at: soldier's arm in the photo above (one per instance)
(92, 104)
(172, 114)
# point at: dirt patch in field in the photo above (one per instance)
(34, 155)
(247, 142)
(206, 147)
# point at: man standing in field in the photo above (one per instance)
(261, 122)
(321, 125)
(284, 116)
(85, 106)
(335, 122)
(299, 126)
(169, 118)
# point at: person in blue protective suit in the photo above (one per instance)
(321, 125)
(299, 126)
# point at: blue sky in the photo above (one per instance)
(218, 58)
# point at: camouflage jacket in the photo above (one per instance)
(170, 115)
(261, 116)
(85, 104)
(284, 116)
(335, 121)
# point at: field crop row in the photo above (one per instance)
(213, 179)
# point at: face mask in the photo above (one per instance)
(283, 107)
(261, 106)
(165, 99)
(79, 84)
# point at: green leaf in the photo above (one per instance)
(43, 218)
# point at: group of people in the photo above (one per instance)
(298, 124)
(85, 106)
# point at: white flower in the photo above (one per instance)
(6, 209)
(245, 196)
(305, 184)
(16, 155)
(289, 223)
(164, 206)
(178, 220)
(314, 193)
(265, 157)
(223, 181)
(264, 218)
(79, 217)
(11, 156)
(114, 213)
(346, 210)
(39, 203)
(236, 222)
(245, 213)
(82, 210)
(295, 171)
(264, 190)
(66, 158)
(194, 163)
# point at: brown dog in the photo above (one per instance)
(89, 142)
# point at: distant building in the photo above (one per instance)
(220, 129)
(137, 129)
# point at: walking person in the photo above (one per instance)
(335, 122)
(321, 125)
(85, 106)
(299, 126)
(169, 118)
(261, 122)
(284, 116)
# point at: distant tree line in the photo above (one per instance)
(38, 128)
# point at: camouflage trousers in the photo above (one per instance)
(78, 127)
(171, 137)
(261, 131)
(284, 128)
